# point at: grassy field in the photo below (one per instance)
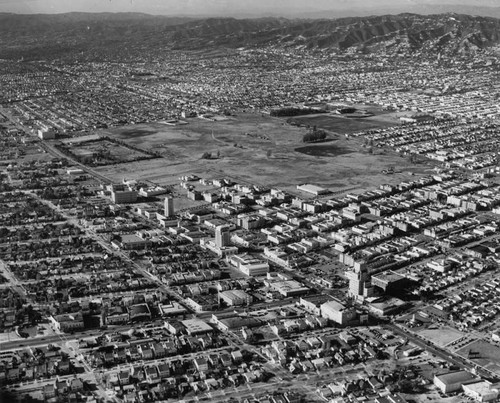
(342, 124)
(348, 124)
(107, 152)
(254, 149)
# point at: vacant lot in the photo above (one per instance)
(441, 336)
(255, 149)
(98, 152)
(343, 124)
(482, 353)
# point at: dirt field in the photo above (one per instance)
(254, 149)
(104, 152)
(442, 336)
(488, 355)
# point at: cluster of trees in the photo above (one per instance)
(314, 136)
(103, 156)
(208, 155)
(293, 111)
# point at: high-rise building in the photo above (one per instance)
(169, 206)
(358, 282)
(222, 236)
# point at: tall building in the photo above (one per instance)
(222, 236)
(121, 194)
(169, 206)
(358, 283)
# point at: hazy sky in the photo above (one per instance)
(212, 7)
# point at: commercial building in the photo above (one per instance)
(235, 297)
(337, 312)
(169, 207)
(223, 251)
(312, 303)
(67, 322)
(389, 281)
(312, 189)
(481, 391)
(453, 381)
(121, 194)
(196, 326)
(46, 134)
(359, 284)
(249, 265)
(289, 288)
(222, 236)
(386, 306)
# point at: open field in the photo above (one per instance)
(350, 123)
(441, 336)
(255, 149)
(97, 152)
(488, 355)
(342, 124)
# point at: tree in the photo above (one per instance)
(315, 135)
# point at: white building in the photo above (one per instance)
(312, 189)
(235, 297)
(222, 236)
(337, 312)
(481, 391)
(249, 265)
(453, 381)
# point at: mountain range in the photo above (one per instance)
(32, 36)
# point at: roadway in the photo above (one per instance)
(442, 353)
(57, 153)
(13, 280)
(55, 338)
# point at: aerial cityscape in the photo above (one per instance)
(261, 202)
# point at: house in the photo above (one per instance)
(146, 352)
(159, 350)
(75, 385)
(49, 391)
(151, 374)
(63, 367)
(225, 359)
(163, 370)
(13, 374)
(237, 356)
(124, 377)
(62, 386)
(201, 364)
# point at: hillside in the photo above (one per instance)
(50, 36)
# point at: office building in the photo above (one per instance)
(222, 236)
(169, 206)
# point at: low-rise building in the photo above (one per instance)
(235, 297)
(337, 312)
(453, 381)
(249, 265)
(67, 322)
(481, 391)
